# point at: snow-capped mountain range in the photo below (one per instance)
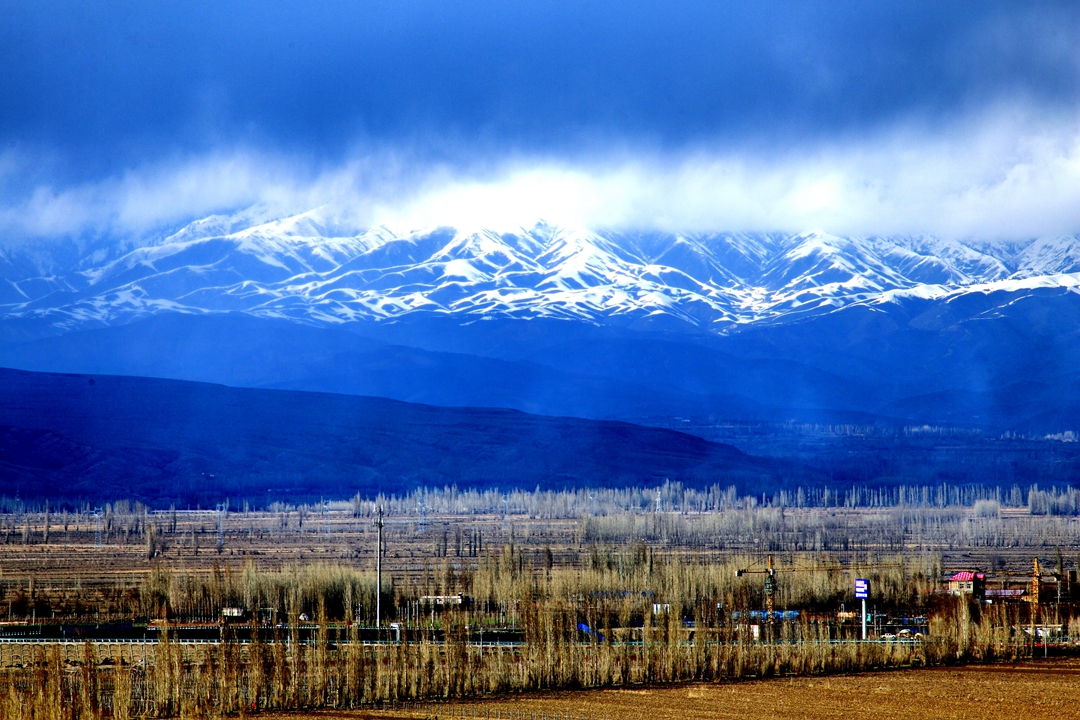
(576, 322)
(302, 268)
(309, 267)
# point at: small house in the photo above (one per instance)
(970, 583)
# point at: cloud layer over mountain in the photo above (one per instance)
(849, 118)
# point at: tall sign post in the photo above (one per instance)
(862, 591)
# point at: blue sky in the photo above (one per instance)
(952, 118)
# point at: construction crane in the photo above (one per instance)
(1036, 584)
(1064, 579)
(1033, 598)
(770, 583)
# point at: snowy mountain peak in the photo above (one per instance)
(314, 267)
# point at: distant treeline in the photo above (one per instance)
(676, 497)
(667, 497)
(858, 520)
(807, 519)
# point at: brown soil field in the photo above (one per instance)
(1031, 691)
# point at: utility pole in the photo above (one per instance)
(378, 568)
(770, 600)
(1036, 588)
(221, 526)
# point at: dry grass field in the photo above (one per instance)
(1032, 691)
(629, 600)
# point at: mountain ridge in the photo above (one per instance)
(313, 268)
(163, 441)
(770, 326)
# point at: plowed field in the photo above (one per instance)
(1032, 691)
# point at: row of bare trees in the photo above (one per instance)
(614, 591)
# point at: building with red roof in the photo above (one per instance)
(967, 582)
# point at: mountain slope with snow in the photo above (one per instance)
(310, 268)
(620, 325)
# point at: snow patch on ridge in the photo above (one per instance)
(314, 268)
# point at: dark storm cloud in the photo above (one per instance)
(103, 86)
(869, 117)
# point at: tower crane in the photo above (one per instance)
(1064, 579)
(770, 583)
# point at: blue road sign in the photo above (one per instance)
(862, 588)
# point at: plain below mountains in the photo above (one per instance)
(95, 437)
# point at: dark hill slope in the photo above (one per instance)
(95, 437)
